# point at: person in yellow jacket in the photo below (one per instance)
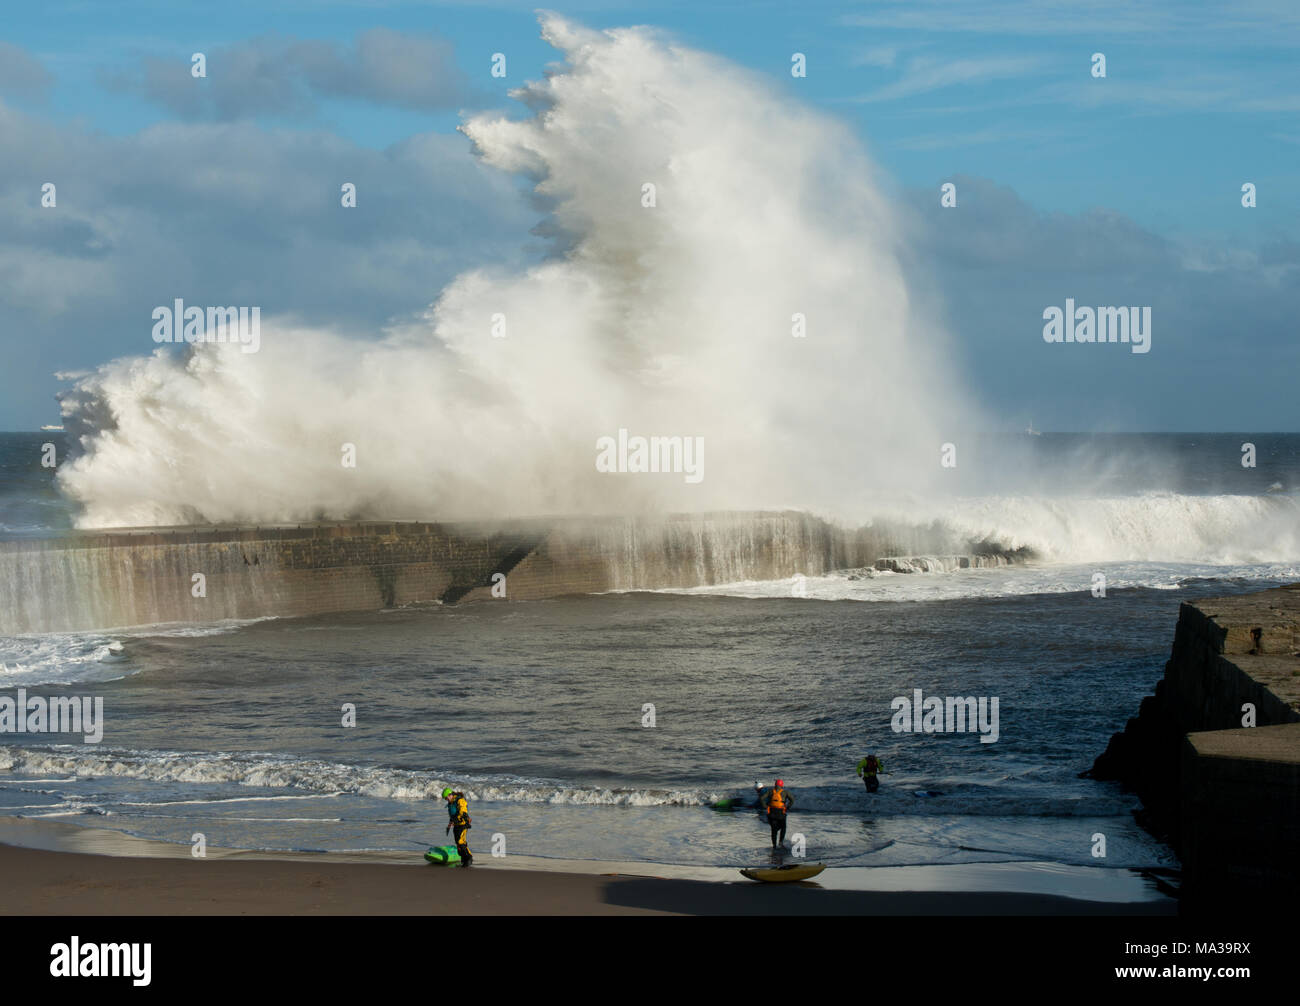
(458, 814)
(867, 769)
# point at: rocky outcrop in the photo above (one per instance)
(951, 563)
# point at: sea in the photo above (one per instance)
(606, 728)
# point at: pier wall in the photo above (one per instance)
(147, 576)
(1226, 795)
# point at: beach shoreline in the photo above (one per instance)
(54, 868)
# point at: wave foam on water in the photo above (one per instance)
(334, 779)
(1146, 527)
(68, 658)
(1011, 581)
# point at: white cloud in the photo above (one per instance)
(926, 74)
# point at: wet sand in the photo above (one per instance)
(40, 882)
(48, 875)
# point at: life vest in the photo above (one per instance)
(458, 810)
(776, 802)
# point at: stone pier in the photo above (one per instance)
(1226, 795)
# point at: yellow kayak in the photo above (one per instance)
(782, 874)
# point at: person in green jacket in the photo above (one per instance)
(868, 767)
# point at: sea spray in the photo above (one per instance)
(1151, 527)
(669, 314)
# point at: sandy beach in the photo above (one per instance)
(48, 875)
(38, 882)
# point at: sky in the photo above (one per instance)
(1117, 190)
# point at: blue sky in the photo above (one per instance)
(1074, 184)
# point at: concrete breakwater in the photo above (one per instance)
(146, 576)
(1224, 794)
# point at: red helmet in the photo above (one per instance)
(779, 782)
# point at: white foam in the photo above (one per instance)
(671, 320)
(256, 769)
(62, 658)
(66, 658)
(1008, 581)
(1223, 530)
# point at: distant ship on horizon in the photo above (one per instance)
(52, 429)
(1033, 432)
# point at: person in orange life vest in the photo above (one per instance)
(777, 802)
